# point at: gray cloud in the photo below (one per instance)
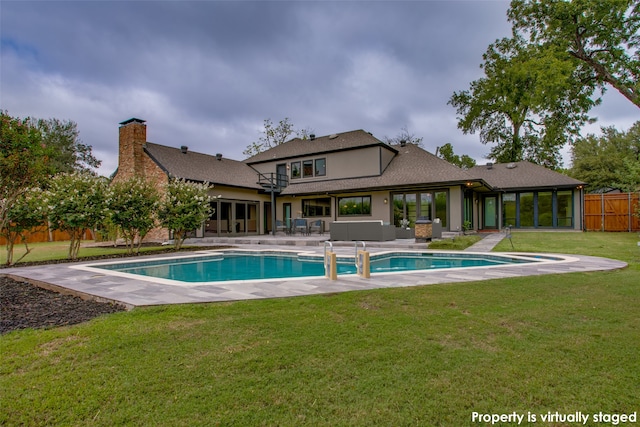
(206, 73)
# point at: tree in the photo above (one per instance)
(185, 206)
(25, 214)
(404, 137)
(132, 204)
(69, 154)
(24, 161)
(76, 202)
(528, 104)
(272, 136)
(611, 160)
(446, 152)
(603, 36)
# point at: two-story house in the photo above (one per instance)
(355, 176)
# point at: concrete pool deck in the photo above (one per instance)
(133, 292)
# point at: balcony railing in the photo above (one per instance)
(273, 181)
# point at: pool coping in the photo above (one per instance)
(71, 278)
(95, 267)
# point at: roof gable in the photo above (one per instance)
(330, 143)
(202, 167)
(412, 166)
(521, 175)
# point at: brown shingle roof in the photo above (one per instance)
(324, 144)
(522, 175)
(202, 167)
(412, 166)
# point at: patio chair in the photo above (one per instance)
(300, 226)
(280, 226)
(317, 225)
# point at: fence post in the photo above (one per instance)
(629, 216)
(603, 212)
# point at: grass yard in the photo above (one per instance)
(50, 251)
(455, 244)
(423, 356)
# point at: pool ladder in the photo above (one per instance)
(363, 266)
(360, 259)
(330, 262)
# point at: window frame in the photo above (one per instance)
(296, 170)
(358, 204)
(310, 210)
(307, 168)
(324, 166)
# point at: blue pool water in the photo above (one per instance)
(253, 266)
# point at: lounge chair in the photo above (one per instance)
(280, 226)
(300, 226)
(317, 225)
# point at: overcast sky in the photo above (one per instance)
(207, 73)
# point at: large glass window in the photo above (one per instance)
(565, 208)
(468, 209)
(252, 218)
(441, 207)
(538, 209)
(398, 209)
(226, 217)
(316, 207)
(358, 205)
(411, 209)
(307, 168)
(509, 212)
(321, 167)
(295, 169)
(526, 210)
(425, 205)
(545, 209)
(410, 206)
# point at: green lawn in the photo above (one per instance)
(423, 356)
(59, 250)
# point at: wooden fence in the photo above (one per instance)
(611, 212)
(42, 234)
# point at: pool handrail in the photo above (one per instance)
(364, 248)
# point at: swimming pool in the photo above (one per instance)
(264, 265)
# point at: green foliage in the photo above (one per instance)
(272, 136)
(458, 243)
(25, 214)
(602, 36)
(185, 206)
(611, 160)
(528, 105)
(32, 150)
(76, 202)
(24, 160)
(132, 204)
(446, 152)
(69, 153)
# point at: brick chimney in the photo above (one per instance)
(133, 136)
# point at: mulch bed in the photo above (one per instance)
(23, 305)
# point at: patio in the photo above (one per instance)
(134, 292)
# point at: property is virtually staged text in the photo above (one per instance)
(554, 417)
